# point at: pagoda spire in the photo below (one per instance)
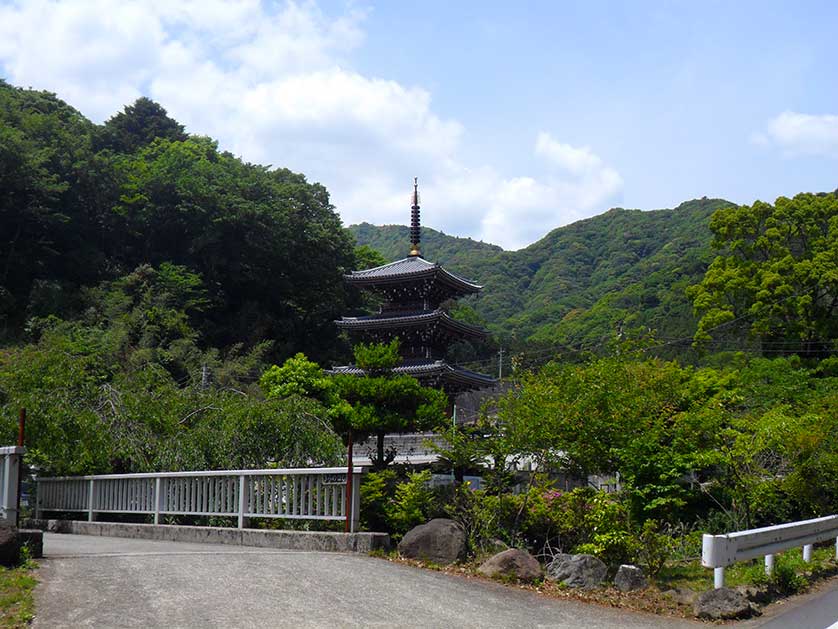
(415, 227)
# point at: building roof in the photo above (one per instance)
(410, 268)
(419, 318)
(422, 369)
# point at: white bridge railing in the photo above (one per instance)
(718, 551)
(300, 493)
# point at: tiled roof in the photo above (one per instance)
(413, 266)
(407, 319)
(428, 368)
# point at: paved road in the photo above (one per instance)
(109, 582)
(817, 610)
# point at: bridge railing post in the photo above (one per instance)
(158, 499)
(243, 500)
(90, 489)
(37, 487)
(355, 515)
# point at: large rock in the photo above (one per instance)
(513, 563)
(9, 547)
(682, 596)
(630, 578)
(723, 604)
(577, 571)
(441, 541)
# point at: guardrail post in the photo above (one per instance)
(158, 499)
(90, 501)
(769, 565)
(356, 503)
(807, 553)
(11, 471)
(718, 577)
(242, 500)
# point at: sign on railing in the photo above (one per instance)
(718, 551)
(298, 493)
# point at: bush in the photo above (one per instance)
(396, 504)
(654, 548)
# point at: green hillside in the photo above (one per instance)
(624, 271)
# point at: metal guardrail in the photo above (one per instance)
(295, 493)
(719, 551)
(9, 481)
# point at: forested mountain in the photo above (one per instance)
(258, 253)
(621, 273)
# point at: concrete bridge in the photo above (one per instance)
(105, 582)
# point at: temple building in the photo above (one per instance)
(413, 291)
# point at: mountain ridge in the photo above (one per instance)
(620, 271)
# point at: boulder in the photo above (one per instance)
(441, 540)
(577, 571)
(513, 563)
(9, 547)
(683, 596)
(630, 578)
(723, 604)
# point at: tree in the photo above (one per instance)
(776, 275)
(138, 125)
(376, 403)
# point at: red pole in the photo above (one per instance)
(348, 492)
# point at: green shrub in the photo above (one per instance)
(377, 491)
(654, 548)
(395, 503)
(413, 504)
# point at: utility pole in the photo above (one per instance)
(500, 364)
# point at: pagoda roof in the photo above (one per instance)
(422, 369)
(411, 268)
(410, 319)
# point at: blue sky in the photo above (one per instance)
(517, 117)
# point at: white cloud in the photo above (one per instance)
(275, 85)
(801, 134)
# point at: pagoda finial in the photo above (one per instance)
(415, 227)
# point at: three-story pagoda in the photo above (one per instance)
(413, 291)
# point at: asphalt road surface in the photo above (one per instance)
(103, 582)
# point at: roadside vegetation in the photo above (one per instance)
(17, 607)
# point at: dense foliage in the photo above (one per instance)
(776, 276)
(96, 406)
(83, 203)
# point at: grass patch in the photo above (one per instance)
(17, 606)
(791, 573)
